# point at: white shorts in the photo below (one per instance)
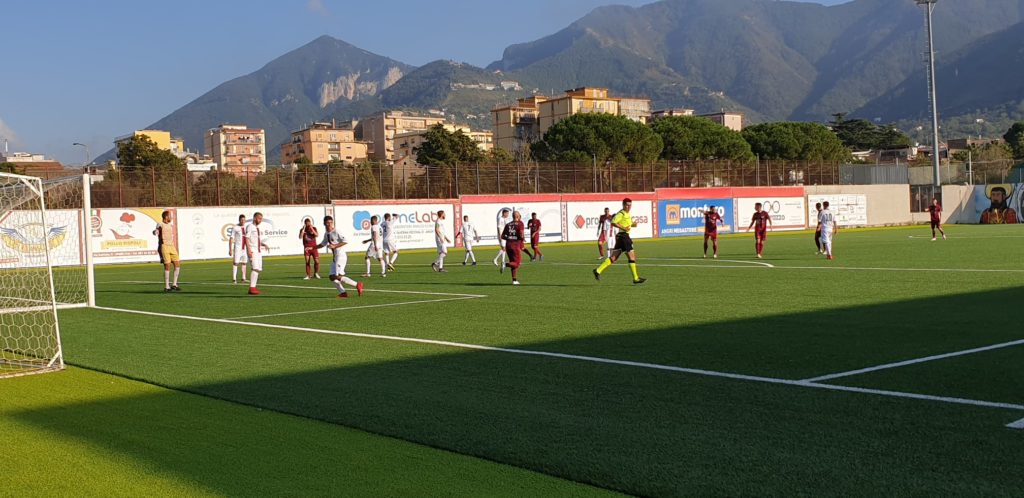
(390, 246)
(339, 263)
(501, 243)
(826, 236)
(240, 258)
(442, 249)
(256, 261)
(468, 244)
(373, 252)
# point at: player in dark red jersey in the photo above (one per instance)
(534, 226)
(513, 236)
(711, 221)
(935, 210)
(760, 222)
(310, 237)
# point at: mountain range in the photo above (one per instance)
(771, 60)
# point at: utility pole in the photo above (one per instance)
(929, 6)
(86, 163)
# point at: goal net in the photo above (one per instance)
(45, 265)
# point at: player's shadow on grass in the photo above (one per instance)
(643, 431)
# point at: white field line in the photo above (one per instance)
(914, 361)
(854, 268)
(594, 359)
(313, 287)
(713, 260)
(1016, 425)
(656, 265)
(970, 237)
(348, 308)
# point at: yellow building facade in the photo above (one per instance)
(325, 142)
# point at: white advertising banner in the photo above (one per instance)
(203, 233)
(849, 210)
(485, 217)
(22, 234)
(582, 217)
(125, 235)
(787, 213)
(414, 226)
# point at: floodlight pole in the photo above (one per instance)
(929, 6)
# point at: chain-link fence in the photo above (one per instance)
(322, 184)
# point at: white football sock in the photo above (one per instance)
(177, 270)
(253, 278)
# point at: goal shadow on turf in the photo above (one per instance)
(637, 430)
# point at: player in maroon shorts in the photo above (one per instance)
(534, 226)
(711, 221)
(760, 223)
(935, 210)
(513, 237)
(309, 237)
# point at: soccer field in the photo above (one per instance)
(896, 369)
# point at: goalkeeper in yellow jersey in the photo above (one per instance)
(623, 243)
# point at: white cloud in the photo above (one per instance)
(318, 7)
(8, 133)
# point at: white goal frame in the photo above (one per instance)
(45, 351)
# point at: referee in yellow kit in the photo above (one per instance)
(623, 243)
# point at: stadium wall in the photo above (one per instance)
(124, 235)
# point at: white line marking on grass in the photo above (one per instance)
(319, 288)
(347, 308)
(594, 359)
(855, 268)
(713, 260)
(971, 237)
(655, 265)
(915, 361)
(1017, 425)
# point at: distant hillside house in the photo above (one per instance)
(380, 130)
(527, 120)
(237, 149)
(325, 142)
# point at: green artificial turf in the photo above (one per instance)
(82, 433)
(890, 295)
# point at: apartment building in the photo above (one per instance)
(730, 120)
(406, 143)
(237, 149)
(325, 142)
(527, 120)
(380, 130)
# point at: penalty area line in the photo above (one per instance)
(348, 308)
(1016, 425)
(915, 361)
(594, 359)
(313, 287)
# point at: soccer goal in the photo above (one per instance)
(45, 265)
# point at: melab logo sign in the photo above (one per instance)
(686, 217)
(361, 219)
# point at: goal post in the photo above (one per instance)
(45, 266)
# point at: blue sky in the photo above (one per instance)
(84, 71)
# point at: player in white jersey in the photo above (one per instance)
(828, 227)
(236, 250)
(254, 249)
(469, 236)
(387, 231)
(504, 218)
(442, 241)
(605, 236)
(335, 242)
(375, 251)
(390, 247)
